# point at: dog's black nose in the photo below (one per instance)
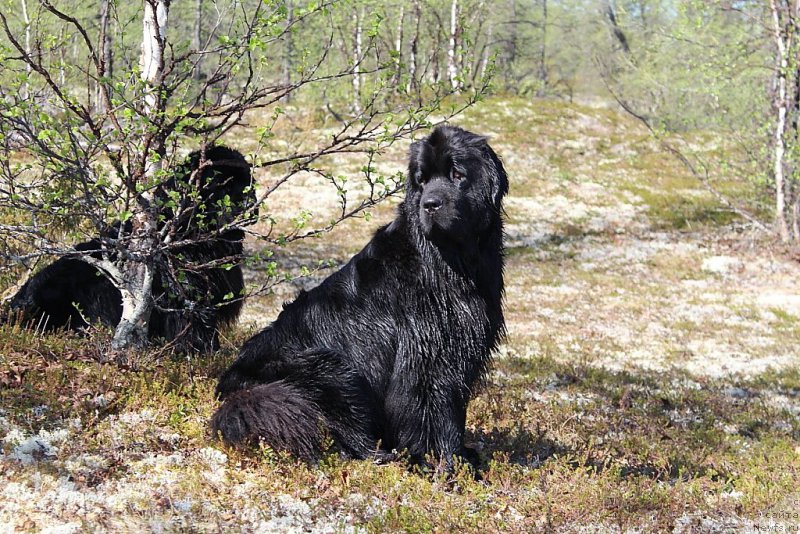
(431, 204)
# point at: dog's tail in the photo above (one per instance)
(277, 413)
(315, 395)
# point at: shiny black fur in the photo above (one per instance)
(386, 353)
(70, 293)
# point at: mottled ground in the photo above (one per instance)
(649, 381)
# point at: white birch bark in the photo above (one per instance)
(153, 41)
(357, 57)
(136, 288)
(27, 20)
(412, 60)
(485, 57)
(398, 48)
(780, 103)
(452, 69)
(197, 38)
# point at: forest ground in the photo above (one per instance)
(649, 381)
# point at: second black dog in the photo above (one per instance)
(70, 293)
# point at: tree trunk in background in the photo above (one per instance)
(398, 49)
(412, 62)
(106, 59)
(782, 36)
(436, 67)
(357, 57)
(62, 59)
(288, 50)
(793, 195)
(615, 29)
(452, 69)
(511, 45)
(796, 217)
(543, 52)
(137, 302)
(27, 20)
(485, 56)
(197, 39)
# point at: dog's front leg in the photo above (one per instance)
(426, 422)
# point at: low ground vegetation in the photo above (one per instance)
(650, 378)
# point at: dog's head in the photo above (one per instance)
(217, 194)
(456, 185)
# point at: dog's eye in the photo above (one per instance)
(457, 176)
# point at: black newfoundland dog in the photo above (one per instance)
(190, 302)
(385, 354)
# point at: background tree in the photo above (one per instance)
(701, 68)
(785, 17)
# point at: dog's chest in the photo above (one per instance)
(448, 318)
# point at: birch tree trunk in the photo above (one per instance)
(414, 49)
(793, 195)
(398, 48)
(106, 66)
(452, 69)
(137, 285)
(485, 55)
(511, 46)
(543, 52)
(289, 48)
(197, 39)
(780, 103)
(62, 58)
(796, 218)
(27, 20)
(357, 57)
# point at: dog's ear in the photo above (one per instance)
(414, 154)
(440, 134)
(499, 178)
